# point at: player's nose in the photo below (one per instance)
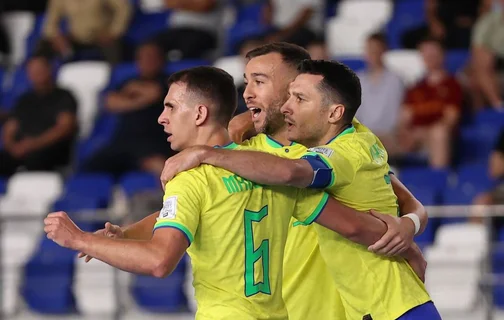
(286, 107)
(248, 93)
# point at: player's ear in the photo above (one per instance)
(201, 114)
(336, 112)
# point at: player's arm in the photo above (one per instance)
(356, 226)
(408, 204)
(260, 167)
(157, 257)
(173, 233)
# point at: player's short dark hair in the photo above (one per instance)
(212, 84)
(378, 37)
(291, 54)
(339, 84)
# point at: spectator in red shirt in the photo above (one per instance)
(431, 110)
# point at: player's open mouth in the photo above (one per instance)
(255, 112)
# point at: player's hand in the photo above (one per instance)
(111, 231)
(182, 161)
(62, 230)
(397, 239)
(241, 127)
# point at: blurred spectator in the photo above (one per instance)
(382, 94)
(488, 55)
(138, 142)
(193, 28)
(295, 21)
(93, 24)
(432, 109)
(318, 49)
(449, 21)
(40, 131)
(495, 172)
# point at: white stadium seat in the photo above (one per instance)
(94, 289)
(374, 13)
(234, 65)
(18, 25)
(346, 38)
(85, 79)
(408, 64)
(150, 6)
(30, 193)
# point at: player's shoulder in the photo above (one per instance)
(256, 142)
(193, 177)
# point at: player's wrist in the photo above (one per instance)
(415, 220)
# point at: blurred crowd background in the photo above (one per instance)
(83, 81)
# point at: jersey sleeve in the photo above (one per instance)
(309, 204)
(183, 203)
(331, 167)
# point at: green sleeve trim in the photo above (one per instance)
(327, 163)
(176, 225)
(318, 210)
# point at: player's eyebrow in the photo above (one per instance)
(297, 94)
(169, 104)
(258, 74)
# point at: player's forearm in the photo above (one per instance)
(354, 225)
(261, 167)
(141, 230)
(408, 203)
(136, 256)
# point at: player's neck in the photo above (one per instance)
(212, 136)
(281, 136)
(332, 133)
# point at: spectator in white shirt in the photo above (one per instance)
(382, 94)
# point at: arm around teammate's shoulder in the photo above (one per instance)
(261, 167)
(354, 225)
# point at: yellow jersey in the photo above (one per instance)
(308, 289)
(382, 287)
(237, 232)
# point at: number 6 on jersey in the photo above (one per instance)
(252, 256)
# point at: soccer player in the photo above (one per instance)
(234, 230)
(352, 167)
(268, 73)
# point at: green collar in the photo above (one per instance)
(229, 146)
(275, 144)
(348, 130)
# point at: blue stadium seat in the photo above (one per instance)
(3, 185)
(161, 295)
(48, 275)
(121, 73)
(135, 182)
(145, 26)
(354, 64)
(424, 178)
(475, 175)
(407, 14)
(35, 35)
(93, 186)
(490, 117)
(248, 25)
(176, 66)
(455, 60)
(477, 142)
(20, 84)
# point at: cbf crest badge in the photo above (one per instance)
(169, 210)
